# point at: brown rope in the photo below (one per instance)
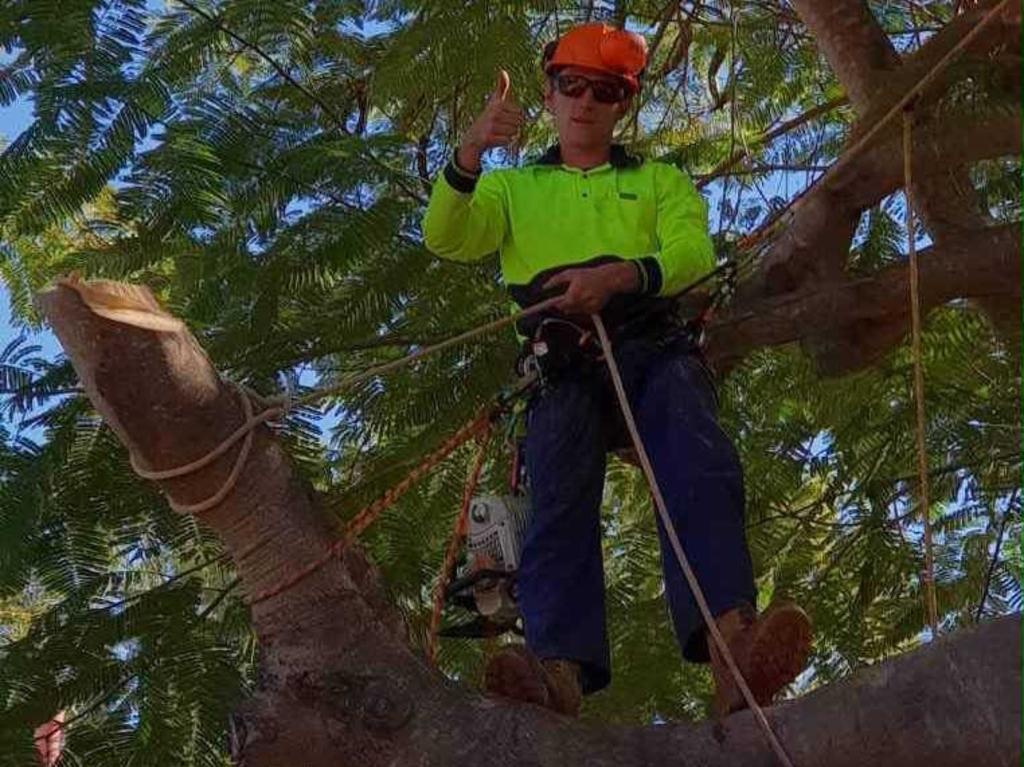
(928, 575)
(454, 543)
(691, 578)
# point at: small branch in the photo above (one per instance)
(281, 71)
(305, 91)
(995, 556)
(951, 468)
(172, 579)
(774, 133)
(758, 169)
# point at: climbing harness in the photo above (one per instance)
(557, 344)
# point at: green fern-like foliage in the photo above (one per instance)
(263, 165)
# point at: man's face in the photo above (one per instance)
(583, 121)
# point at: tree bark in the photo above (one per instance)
(853, 44)
(848, 323)
(339, 683)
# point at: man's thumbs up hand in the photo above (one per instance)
(501, 88)
(497, 125)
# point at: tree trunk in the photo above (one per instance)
(339, 683)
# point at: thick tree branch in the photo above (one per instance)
(1003, 31)
(847, 324)
(829, 23)
(814, 243)
(160, 395)
(938, 148)
(868, 66)
(945, 201)
(339, 684)
(854, 44)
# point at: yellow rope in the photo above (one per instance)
(441, 346)
(677, 547)
(245, 430)
(928, 576)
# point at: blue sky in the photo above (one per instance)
(13, 120)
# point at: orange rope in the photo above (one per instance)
(454, 543)
(368, 514)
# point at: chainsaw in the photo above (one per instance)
(485, 582)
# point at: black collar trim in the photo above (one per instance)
(620, 157)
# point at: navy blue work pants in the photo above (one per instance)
(571, 424)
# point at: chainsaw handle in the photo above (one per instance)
(468, 581)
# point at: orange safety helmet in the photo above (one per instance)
(600, 47)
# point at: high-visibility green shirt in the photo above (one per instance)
(546, 215)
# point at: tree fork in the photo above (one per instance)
(339, 683)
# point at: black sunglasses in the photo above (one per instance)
(605, 91)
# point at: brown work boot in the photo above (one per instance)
(770, 651)
(514, 672)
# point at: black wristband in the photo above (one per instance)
(460, 179)
(651, 282)
(641, 278)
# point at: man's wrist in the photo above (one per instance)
(624, 277)
(650, 276)
(458, 176)
(467, 158)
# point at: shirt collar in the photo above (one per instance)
(620, 157)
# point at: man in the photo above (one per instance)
(614, 233)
